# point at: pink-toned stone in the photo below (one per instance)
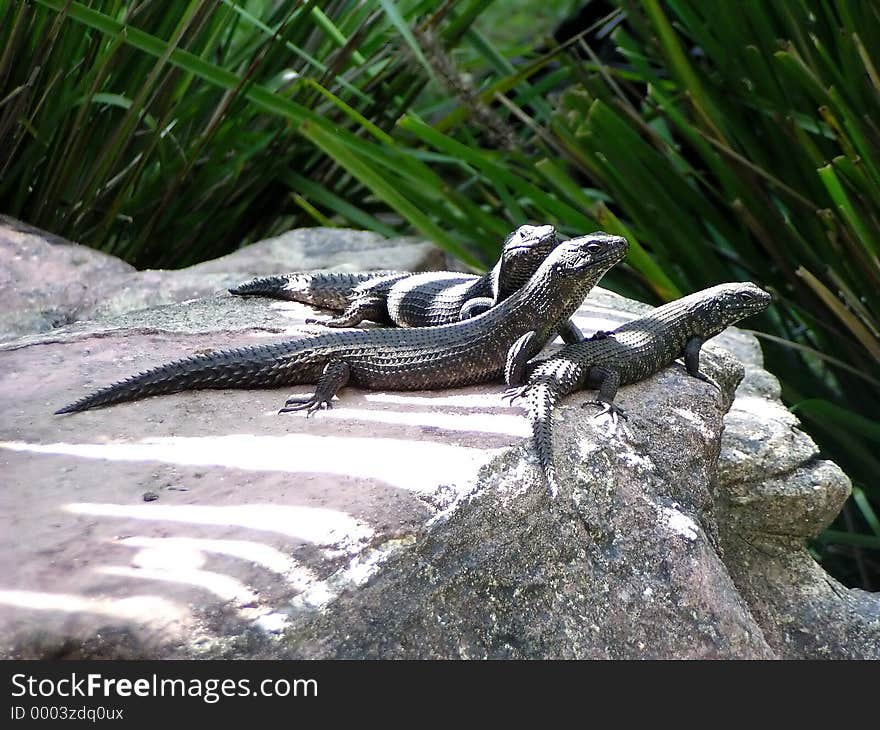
(396, 524)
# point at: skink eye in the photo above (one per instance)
(594, 248)
(745, 297)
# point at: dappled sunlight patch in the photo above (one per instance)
(291, 309)
(142, 609)
(360, 569)
(174, 552)
(224, 587)
(678, 523)
(698, 423)
(179, 561)
(506, 424)
(598, 319)
(763, 408)
(413, 465)
(482, 401)
(316, 525)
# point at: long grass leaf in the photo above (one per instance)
(850, 321)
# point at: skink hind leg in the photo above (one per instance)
(334, 377)
(371, 308)
(608, 381)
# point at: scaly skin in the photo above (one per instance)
(629, 354)
(327, 289)
(463, 353)
(417, 300)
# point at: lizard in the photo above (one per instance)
(628, 354)
(409, 299)
(443, 356)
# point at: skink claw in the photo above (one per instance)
(601, 335)
(613, 411)
(513, 394)
(310, 405)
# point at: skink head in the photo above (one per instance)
(726, 304)
(537, 241)
(524, 251)
(596, 251)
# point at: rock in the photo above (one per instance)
(621, 565)
(303, 249)
(402, 524)
(48, 282)
(773, 495)
(337, 249)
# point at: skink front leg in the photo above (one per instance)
(517, 358)
(692, 361)
(609, 382)
(334, 377)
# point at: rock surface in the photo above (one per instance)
(399, 524)
(769, 505)
(47, 282)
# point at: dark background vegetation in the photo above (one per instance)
(726, 140)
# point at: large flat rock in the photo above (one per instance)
(256, 518)
(47, 282)
(403, 524)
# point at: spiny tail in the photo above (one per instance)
(541, 400)
(330, 290)
(263, 366)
